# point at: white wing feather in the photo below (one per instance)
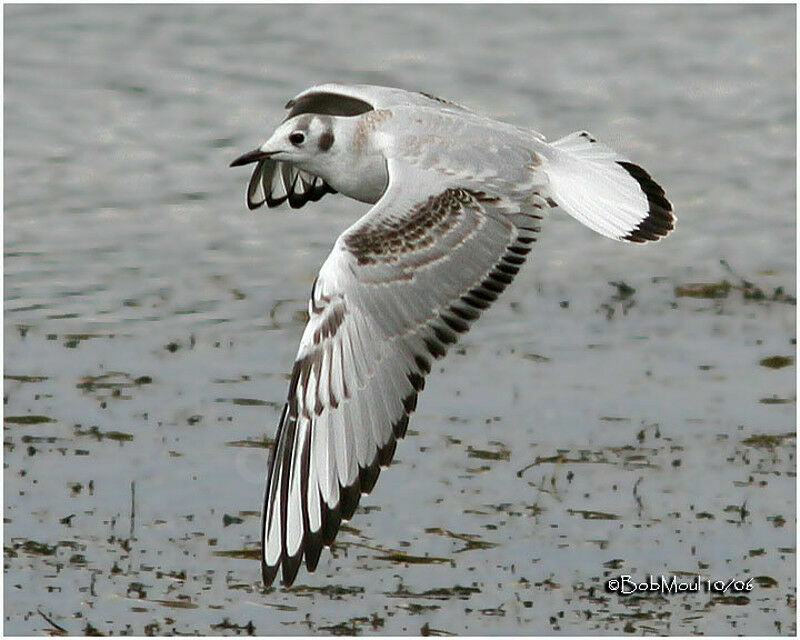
(395, 292)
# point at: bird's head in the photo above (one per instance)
(305, 141)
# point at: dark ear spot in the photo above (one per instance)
(326, 140)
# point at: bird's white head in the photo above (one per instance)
(326, 146)
(304, 141)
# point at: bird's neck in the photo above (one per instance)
(357, 168)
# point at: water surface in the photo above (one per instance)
(581, 430)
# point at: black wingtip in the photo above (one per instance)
(368, 476)
(290, 566)
(399, 428)
(660, 219)
(331, 525)
(254, 205)
(349, 498)
(386, 452)
(268, 573)
(314, 546)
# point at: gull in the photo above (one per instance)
(458, 199)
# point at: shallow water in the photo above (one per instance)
(580, 432)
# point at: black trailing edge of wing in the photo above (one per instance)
(441, 332)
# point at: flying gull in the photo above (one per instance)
(457, 203)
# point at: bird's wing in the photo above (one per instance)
(274, 182)
(395, 292)
(355, 99)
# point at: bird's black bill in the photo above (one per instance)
(250, 157)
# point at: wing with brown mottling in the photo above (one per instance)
(398, 288)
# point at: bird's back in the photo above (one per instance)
(462, 148)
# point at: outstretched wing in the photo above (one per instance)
(274, 182)
(398, 288)
(355, 99)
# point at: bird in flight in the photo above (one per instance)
(458, 199)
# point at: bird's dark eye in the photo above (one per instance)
(297, 138)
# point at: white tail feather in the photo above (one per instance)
(606, 192)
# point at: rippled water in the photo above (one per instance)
(580, 433)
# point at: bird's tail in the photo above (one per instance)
(606, 192)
